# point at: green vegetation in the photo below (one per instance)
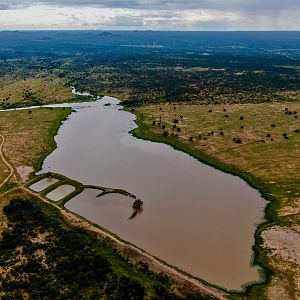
(137, 204)
(62, 180)
(36, 91)
(259, 143)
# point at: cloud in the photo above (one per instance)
(246, 5)
(4, 6)
(151, 14)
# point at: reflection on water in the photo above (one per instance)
(195, 217)
(110, 207)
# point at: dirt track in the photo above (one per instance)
(10, 167)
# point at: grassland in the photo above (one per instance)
(29, 138)
(260, 143)
(33, 91)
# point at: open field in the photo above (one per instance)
(33, 91)
(28, 138)
(260, 143)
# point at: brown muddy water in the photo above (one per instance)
(194, 217)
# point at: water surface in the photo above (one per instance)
(194, 216)
(43, 184)
(60, 192)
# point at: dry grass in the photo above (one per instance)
(45, 90)
(28, 136)
(4, 171)
(263, 151)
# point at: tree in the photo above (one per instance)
(137, 204)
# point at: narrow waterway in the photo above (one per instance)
(194, 217)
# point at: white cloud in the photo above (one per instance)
(87, 17)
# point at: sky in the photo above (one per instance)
(150, 14)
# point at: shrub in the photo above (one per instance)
(237, 140)
(137, 204)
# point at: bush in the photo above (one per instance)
(137, 204)
(237, 140)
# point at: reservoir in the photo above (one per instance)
(194, 217)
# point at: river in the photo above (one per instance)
(194, 217)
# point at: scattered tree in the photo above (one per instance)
(137, 204)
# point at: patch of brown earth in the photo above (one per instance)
(24, 172)
(284, 242)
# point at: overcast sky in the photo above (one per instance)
(151, 14)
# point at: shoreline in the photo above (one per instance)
(245, 286)
(270, 215)
(175, 273)
(141, 133)
(52, 134)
